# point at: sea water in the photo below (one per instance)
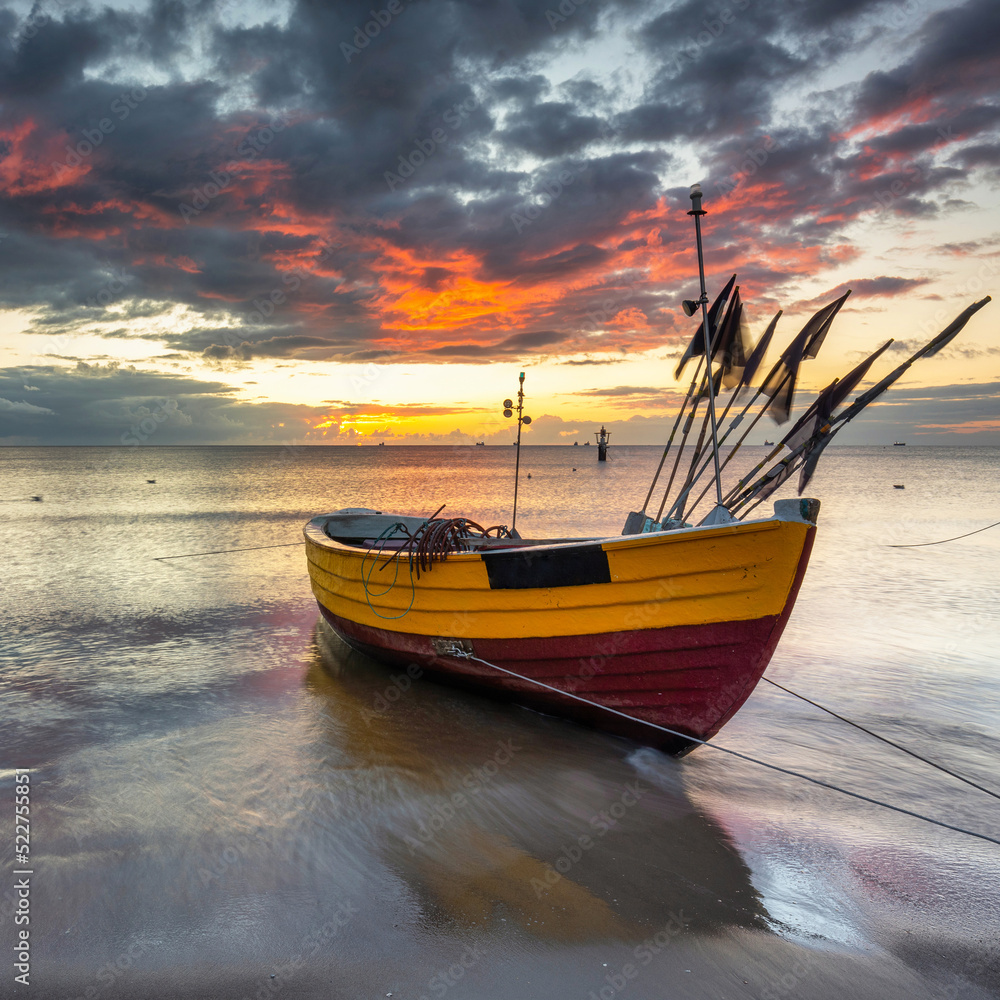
(226, 802)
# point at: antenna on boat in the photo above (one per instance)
(521, 419)
(720, 513)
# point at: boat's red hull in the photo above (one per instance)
(690, 678)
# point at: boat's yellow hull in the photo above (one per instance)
(681, 624)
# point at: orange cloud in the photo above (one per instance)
(35, 161)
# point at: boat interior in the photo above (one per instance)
(362, 528)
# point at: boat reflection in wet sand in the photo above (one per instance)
(488, 819)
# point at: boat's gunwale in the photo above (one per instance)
(790, 510)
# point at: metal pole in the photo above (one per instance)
(670, 440)
(697, 211)
(517, 462)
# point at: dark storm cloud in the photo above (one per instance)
(861, 288)
(915, 139)
(552, 129)
(978, 156)
(958, 54)
(317, 187)
(966, 410)
(520, 343)
(319, 348)
(118, 405)
(623, 390)
(988, 246)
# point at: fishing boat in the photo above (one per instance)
(670, 628)
(659, 634)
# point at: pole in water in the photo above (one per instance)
(521, 420)
(697, 211)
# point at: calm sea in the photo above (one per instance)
(225, 802)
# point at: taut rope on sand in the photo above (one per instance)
(856, 725)
(219, 552)
(941, 541)
(458, 652)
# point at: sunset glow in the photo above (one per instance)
(297, 246)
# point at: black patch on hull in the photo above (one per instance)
(574, 567)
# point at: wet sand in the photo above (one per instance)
(444, 844)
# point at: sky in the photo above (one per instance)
(226, 222)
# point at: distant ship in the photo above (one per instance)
(768, 444)
(576, 444)
(586, 444)
(480, 444)
(899, 444)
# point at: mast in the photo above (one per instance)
(697, 211)
(521, 420)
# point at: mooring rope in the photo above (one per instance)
(941, 541)
(856, 725)
(459, 653)
(219, 552)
